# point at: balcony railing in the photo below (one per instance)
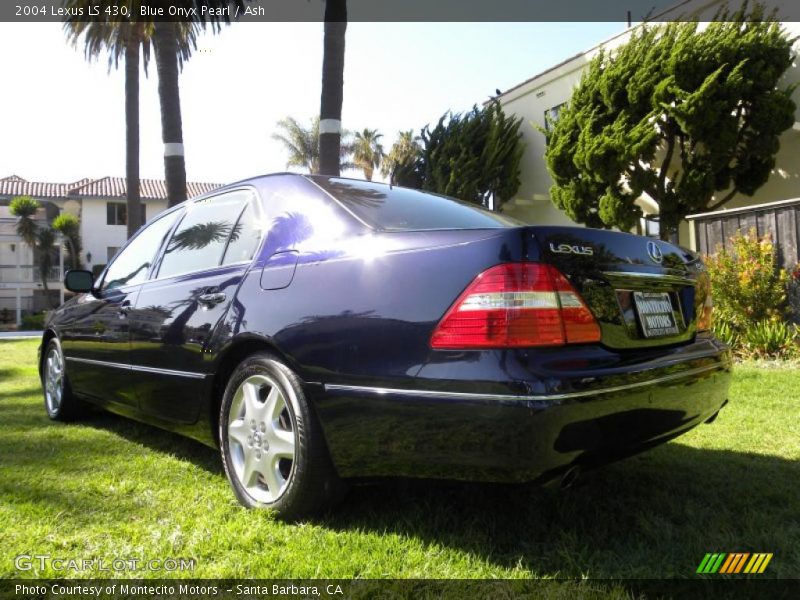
(27, 274)
(8, 226)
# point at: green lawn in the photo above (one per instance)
(112, 488)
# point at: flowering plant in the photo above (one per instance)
(746, 284)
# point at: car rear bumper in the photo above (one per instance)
(447, 430)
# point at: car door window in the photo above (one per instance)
(245, 237)
(133, 263)
(200, 239)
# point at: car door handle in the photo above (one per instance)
(211, 298)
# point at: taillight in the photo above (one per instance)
(517, 305)
(703, 286)
(704, 321)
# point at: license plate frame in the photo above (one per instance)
(656, 314)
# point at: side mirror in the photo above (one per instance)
(78, 280)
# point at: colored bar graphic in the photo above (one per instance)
(740, 565)
(727, 564)
(765, 563)
(734, 562)
(753, 562)
(703, 563)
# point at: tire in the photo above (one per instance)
(271, 442)
(59, 401)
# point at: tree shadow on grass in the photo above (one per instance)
(23, 393)
(653, 515)
(8, 373)
(176, 445)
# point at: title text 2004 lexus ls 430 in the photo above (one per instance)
(319, 330)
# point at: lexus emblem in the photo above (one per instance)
(655, 252)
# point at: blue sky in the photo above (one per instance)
(62, 119)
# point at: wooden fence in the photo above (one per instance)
(779, 219)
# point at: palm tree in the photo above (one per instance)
(173, 42)
(24, 208)
(302, 145)
(368, 151)
(330, 112)
(119, 39)
(173, 45)
(69, 227)
(45, 243)
(400, 165)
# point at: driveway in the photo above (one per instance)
(19, 335)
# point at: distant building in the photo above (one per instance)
(100, 206)
(545, 94)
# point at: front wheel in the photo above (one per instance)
(272, 446)
(59, 401)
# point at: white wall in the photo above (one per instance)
(97, 235)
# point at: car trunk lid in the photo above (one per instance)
(643, 292)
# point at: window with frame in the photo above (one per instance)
(551, 115)
(200, 240)
(117, 213)
(132, 265)
(111, 252)
(651, 227)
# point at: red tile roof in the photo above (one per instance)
(105, 187)
(15, 185)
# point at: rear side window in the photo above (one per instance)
(244, 238)
(402, 209)
(200, 239)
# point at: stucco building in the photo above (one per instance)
(545, 94)
(100, 206)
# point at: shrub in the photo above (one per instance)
(33, 322)
(725, 332)
(745, 283)
(770, 339)
(750, 299)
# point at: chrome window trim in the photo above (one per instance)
(537, 397)
(666, 278)
(140, 368)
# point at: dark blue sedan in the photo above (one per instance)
(319, 330)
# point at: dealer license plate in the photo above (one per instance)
(656, 314)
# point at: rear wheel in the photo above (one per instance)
(272, 446)
(59, 401)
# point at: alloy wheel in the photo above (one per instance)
(54, 380)
(261, 437)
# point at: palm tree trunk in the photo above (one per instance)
(166, 45)
(132, 133)
(330, 113)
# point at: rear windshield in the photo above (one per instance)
(401, 209)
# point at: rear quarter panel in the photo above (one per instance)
(362, 308)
